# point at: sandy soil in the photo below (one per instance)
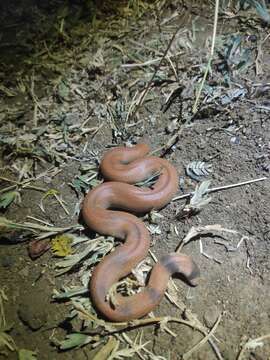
(233, 137)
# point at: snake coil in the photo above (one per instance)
(122, 167)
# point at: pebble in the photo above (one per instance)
(211, 315)
(33, 319)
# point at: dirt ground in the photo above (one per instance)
(72, 77)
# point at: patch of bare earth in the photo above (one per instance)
(102, 84)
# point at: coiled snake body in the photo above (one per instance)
(124, 167)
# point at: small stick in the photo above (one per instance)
(220, 188)
(38, 220)
(23, 184)
(206, 255)
(208, 67)
(154, 73)
(61, 202)
(130, 342)
(7, 188)
(204, 340)
(150, 62)
(10, 180)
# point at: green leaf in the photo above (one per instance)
(80, 183)
(74, 340)
(24, 354)
(50, 192)
(7, 198)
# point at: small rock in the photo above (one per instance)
(172, 126)
(34, 320)
(235, 140)
(36, 248)
(211, 315)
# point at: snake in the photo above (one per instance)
(112, 209)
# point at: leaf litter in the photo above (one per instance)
(57, 141)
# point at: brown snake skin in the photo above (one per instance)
(124, 167)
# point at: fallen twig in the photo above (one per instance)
(220, 188)
(252, 344)
(150, 62)
(39, 231)
(208, 67)
(194, 232)
(115, 327)
(203, 341)
(155, 72)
